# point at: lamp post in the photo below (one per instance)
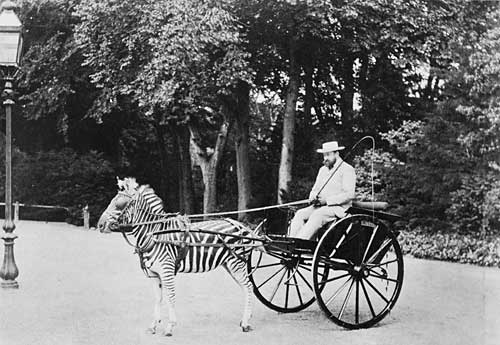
(10, 54)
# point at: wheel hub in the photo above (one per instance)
(360, 272)
(290, 263)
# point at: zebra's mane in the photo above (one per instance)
(146, 190)
(130, 186)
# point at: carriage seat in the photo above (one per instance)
(371, 205)
(375, 208)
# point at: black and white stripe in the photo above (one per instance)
(160, 253)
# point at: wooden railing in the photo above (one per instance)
(17, 205)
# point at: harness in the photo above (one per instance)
(175, 223)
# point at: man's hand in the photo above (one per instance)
(318, 201)
(321, 200)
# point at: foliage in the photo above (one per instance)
(476, 204)
(54, 86)
(471, 249)
(372, 168)
(63, 178)
(175, 58)
(431, 171)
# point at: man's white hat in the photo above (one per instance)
(330, 146)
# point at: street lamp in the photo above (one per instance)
(11, 43)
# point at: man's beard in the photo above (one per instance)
(329, 164)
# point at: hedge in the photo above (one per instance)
(454, 247)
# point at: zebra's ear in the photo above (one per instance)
(132, 184)
(120, 183)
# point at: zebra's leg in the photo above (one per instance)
(157, 288)
(237, 270)
(168, 292)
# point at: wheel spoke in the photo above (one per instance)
(287, 288)
(297, 288)
(271, 277)
(277, 286)
(379, 276)
(309, 270)
(305, 267)
(338, 291)
(344, 235)
(268, 265)
(357, 302)
(382, 263)
(346, 300)
(368, 299)
(332, 279)
(382, 247)
(305, 280)
(376, 290)
(369, 243)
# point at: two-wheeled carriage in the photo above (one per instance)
(354, 269)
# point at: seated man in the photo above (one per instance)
(329, 197)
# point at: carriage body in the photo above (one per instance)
(353, 269)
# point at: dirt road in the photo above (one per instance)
(81, 287)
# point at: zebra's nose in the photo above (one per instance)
(101, 224)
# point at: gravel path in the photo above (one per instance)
(81, 287)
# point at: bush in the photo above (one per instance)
(63, 178)
(452, 247)
(382, 163)
(476, 204)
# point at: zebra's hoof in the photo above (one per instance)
(151, 330)
(168, 330)
(246, 328)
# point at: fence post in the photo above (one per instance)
(16, 211)
(86, 217)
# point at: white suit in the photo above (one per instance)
(338, 193)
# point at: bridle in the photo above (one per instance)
(137, 250)
(119, 219)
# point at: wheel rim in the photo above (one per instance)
(366, 271)
(282, 281)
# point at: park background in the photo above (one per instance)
(220, 104)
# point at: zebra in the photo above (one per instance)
(161, 258)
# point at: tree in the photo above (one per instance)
(449, 178)
(178, 58)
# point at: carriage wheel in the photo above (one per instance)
(282, 280)
(365, 271)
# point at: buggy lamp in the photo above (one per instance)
(11, 38)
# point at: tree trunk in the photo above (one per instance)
(308, 99)
(162, 148)
(287, 148)
(242, 147)
(347, 95)
(208, 160)
(185, 174)
(363, 80)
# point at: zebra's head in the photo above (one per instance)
(127, 190)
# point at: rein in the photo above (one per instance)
(166, 216)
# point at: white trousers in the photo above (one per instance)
(307, 221)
